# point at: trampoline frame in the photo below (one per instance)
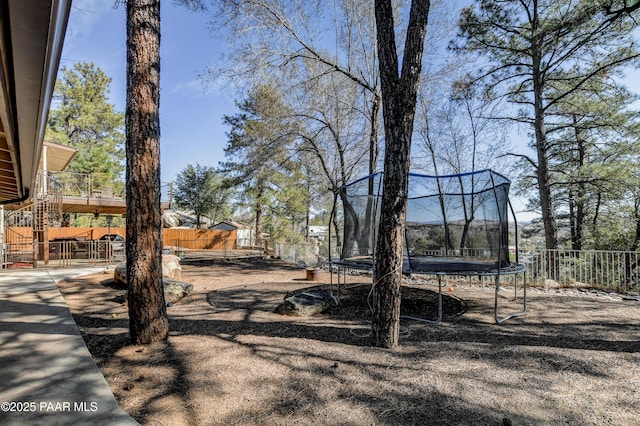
(342, 265)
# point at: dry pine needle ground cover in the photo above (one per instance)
(230, 360)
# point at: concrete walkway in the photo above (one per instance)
(47, 375)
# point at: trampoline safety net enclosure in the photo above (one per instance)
(456, 224)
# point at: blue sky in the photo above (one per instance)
(190, 113)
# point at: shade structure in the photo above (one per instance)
(455, 223)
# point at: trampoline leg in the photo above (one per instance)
(331, 279)
(344, 282)
(343, 272)
(524, 300)
(439, 319)
(338, 269)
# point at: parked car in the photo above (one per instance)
(69, 248)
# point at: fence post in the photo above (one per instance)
(35, 252)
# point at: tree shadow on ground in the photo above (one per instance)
(252, 265)
(420, 302)
(317, 369)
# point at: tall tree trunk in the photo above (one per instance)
(374, 151)
(374, 147)
(399, 105)
(577, 211)
(258, 206)
(336, 228)
(308, 172)
(546, 203)
(148, 321)
(581, 215)
(352, 228)
(573, 224)
(630, 261)
(543, 174)
(544, 186)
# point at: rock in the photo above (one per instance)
(171, 268)
(308, 303)
(181, 218)
(174, 290)
(551, 284)
(630, 297)
(170, 219)
(120, 274)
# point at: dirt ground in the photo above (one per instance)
(573, 359)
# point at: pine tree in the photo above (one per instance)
(83, 118)
(201, 190)
(148, 322)
(536, 53)
(259, 150)
(399, 97)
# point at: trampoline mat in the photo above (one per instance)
(439, 265)
(434, 264)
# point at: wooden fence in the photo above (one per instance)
(199, 239)
(196, 239)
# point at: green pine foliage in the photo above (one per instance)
(82, 117)
(200, 189)
(263, 165)
(556, 63)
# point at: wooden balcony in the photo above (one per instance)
(86, 193)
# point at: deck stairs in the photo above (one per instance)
(24, 228)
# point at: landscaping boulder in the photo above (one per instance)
(170, 219)
(170, 268)
(307, 303)
(174, 290)
(120, 274)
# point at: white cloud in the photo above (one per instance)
(190, 88)
(86, 16)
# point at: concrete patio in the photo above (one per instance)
(47, 375)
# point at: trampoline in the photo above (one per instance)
(456, 225)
